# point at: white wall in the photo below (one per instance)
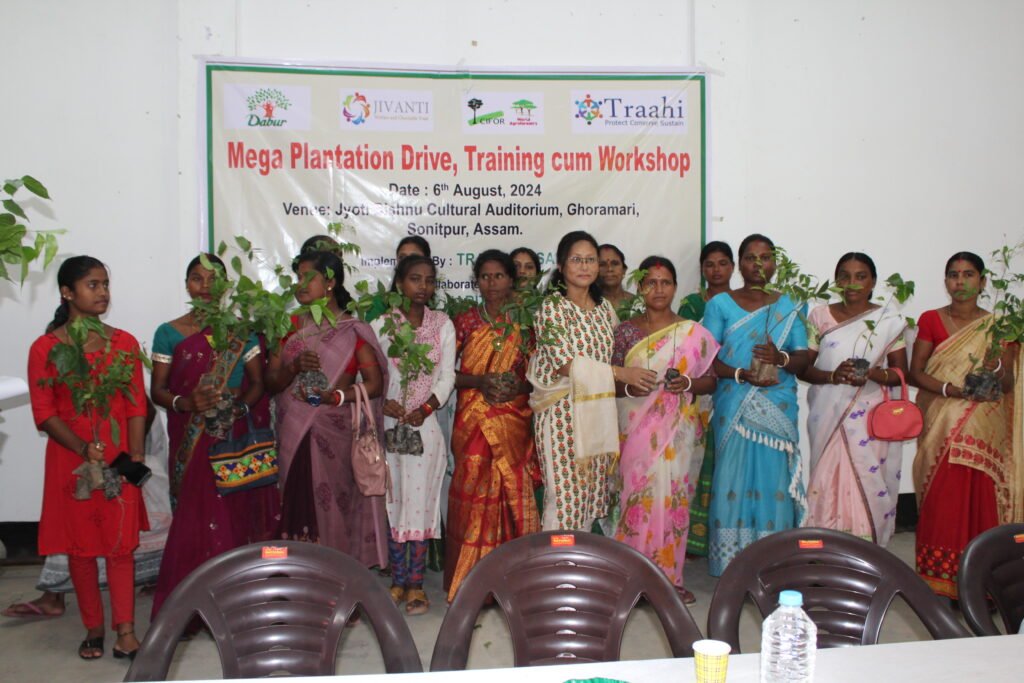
(884, 126)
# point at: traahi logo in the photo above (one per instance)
(588, 109)
(356, 109)
(263, 104)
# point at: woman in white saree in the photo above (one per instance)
(854, 480)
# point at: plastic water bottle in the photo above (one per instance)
(788, 642)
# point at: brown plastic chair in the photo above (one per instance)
(277, 614)
(566, 599)
(993, 564)
(847, 583)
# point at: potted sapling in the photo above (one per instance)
(900, 291)
(801, 288)
(1003, 327)
(411, 355)
(236, 310)
(92, 384)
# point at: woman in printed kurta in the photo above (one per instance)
(716, 267)
(105, 523)
(758, 484)
(414, 509)
(662, 432)
(855, 479)
(490, 500)
(969, 467)
(574, 383)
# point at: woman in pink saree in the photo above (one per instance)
(662, 432)
(205, 524)
(855, 479)
(313, 378)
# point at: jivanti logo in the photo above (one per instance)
(266, 101)
(356, 109)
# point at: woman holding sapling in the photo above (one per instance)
(662, 432)
(967, 475)
(757, 488)
(320, 499)
(420, 343)
(89, 511)
(186, 374)
(855, 479)
(574, 384)
(716, 267)
(491, 497)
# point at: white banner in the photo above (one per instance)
(469, 161)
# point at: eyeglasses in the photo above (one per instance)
(583, 260)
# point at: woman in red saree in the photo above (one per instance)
(321, 501)
(490, 500)
(205, 523)
(103, 523)
(969, 468)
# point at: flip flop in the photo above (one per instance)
(26, 610)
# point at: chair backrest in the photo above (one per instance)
(566, 598)
(279, 610)
(993, 564)
(847, 583)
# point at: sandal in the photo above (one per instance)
(418, 603)
(91, 648)
(397, 594)
(122, 654)
(23, 610)
(686, 596)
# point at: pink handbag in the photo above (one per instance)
(369, 465)
(895, 419)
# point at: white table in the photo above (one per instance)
(998, 658)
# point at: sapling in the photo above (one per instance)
(900, 291)
(1003, 327)
(800, 288)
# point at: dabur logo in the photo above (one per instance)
(588, 109)
(494, 117)
(355, 108)
(264, 104)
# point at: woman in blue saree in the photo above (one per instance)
(757, 487)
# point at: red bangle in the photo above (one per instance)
(427, 410)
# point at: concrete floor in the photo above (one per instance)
(45, 649)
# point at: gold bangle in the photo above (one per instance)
(832, 377)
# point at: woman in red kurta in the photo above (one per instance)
(97, 527)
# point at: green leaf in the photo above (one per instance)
(115, 431)
(35, 187)
(221, 248)
(14, 208)
(243, 244)
(7, 219)
(11, 186)
(51, 250)
(236, 265)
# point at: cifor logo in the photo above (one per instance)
(263, 104)
(478, 119)
(588, 109)
(356, 109)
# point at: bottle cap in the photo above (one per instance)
(791, 599)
